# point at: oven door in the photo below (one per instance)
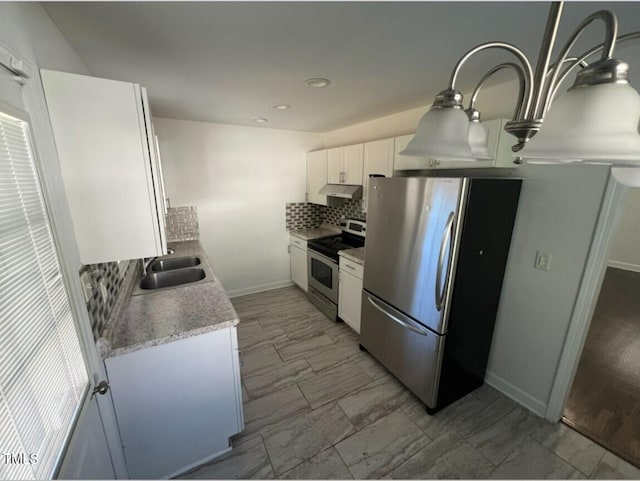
(323, 274)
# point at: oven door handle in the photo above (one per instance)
(397, 320)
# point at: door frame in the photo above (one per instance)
(54, 194)
(587, 298)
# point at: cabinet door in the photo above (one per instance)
(350, 300)
(177, 403)
(101, 137)
(298, 266)
(335, 165)
(353, 164)
(378, 160)
(316, 176)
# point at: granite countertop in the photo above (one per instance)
(159, 316)
(355, 255)
(324, 230)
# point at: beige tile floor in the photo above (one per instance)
(317, 408)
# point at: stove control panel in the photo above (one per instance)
(354, 226)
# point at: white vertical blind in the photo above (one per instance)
(43, 376)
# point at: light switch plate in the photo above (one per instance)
(543, 261)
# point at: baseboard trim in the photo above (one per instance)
(261, 288)
(197, 464)
(518, 395)
(624, 265)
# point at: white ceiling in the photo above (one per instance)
(229, 61)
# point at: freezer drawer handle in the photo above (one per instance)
(443, 248)
(422, 332)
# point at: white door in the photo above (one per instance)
(299, 267)
(53, 364)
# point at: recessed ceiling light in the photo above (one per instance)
(260, 120)
(317, 83)
(280, 106)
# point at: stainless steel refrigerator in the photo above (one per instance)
(434, 264)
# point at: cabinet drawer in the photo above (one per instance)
(295, 241)
(351, 267)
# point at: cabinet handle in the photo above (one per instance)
(350, 267)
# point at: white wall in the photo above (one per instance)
(240, 179)
(625, 245)
(558, 209)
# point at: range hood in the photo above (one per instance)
(342, 191)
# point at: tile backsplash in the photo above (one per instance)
(351, 209)
(303, 215)
(182, 224)
(106, 288)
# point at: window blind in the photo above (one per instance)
(43, 376)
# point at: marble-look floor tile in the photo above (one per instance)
(264, 338)
(482, 414)
(245, 394)
(339, 352)
(301, 437)
(332, 384)
(571, 446)
(446, 457)
(259, 358)
(269, 379)
(374, 401)
(326, 465)
(247, 460)
(303, 347)
(531, 460)
(248, 328)
(500, 439)
(381, 446)
(300, 330)
(272, 408)
(439, 423)
(613, 467)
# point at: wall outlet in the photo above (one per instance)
(543, 261)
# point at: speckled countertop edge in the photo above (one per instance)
(355, 255)
(197, 309)
(324, 230)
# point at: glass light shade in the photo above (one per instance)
(479, 141)
(596, 123)
(628, 176)
(441, 134)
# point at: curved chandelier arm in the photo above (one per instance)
(521, 83)
(580, 60)
(527, 70)
(611, 32)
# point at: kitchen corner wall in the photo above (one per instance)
(625, 248)
(240, 179)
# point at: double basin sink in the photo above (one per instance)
(173, 272)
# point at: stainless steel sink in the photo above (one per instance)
(176, 277)
(161, 265)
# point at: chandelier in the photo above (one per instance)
(594, 122)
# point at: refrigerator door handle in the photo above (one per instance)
(422, 332)
(443, 248)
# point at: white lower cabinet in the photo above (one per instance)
(178, 403)
(298, 258)
(350, 293)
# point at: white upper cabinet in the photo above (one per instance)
(109, 162)
(316, 176)
(344, 164)
(500, 143)
(378, 160)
